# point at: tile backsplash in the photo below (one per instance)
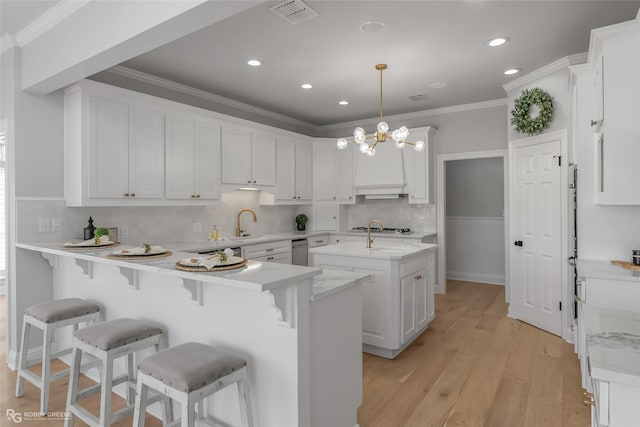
(392, 213)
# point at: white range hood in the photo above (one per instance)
(381, 176)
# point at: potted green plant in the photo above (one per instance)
(301, 222)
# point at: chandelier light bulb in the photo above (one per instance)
(358, 130)
(371, 153)
(342, 143)
(400, 144)
(364, 148)
(360, 138)
(419, 146)
(383, 127)
(403, 132)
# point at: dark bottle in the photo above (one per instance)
(89, 229)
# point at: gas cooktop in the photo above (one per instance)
(401, 230)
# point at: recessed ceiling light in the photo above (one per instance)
(372, 27)
(497, 41)
(438, 85)
(254, 62)
(511, 71)
(306, 86)
(344, 102)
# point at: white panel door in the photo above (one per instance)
(286, 170)
(108, 149)
(207, 172)
(538, 215)
(236, 155)
(179, 151)
(263, 159)
(304, 171)
(146, 153)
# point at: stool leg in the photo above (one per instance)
(188, 413)
(22, 360)
(46, 368)
(167, 405)
(72, 394)
(105, 398)
(141, 404)
(244, 394)
(131, 374)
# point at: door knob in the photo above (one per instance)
(518, 243)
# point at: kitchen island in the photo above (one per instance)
(398, 298)
(263, 312)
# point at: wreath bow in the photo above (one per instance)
(532, 125)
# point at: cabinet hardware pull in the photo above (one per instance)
(249, 182)
(334, 197)
(269, 258)
(294, 197)
(350, 197)
(595, 122)
(133, 194)
(418, 277)
(193, 196)
(197, 196)
(254, 182)
(318, 241)
(269, 250)
(126, 194)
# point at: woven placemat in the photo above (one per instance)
(203, 269)
(139, 257)
(89, 248)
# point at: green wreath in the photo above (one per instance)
(532, 125)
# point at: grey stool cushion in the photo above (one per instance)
(62, 309)
(116, 333)
(190, 366)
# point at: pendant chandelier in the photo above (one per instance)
(360, 137)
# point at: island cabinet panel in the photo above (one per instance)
(374, 293)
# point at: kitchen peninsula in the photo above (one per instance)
(270, 314)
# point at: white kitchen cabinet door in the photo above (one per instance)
(420, 167)
(146, 153)
(407, 308)
(304, 171)
(326, 218)
(431, 285)
(263, 159)
(346, 193)
(207, 173)
(598, 86)
(108, 133)
(236, 155)
(374, 310)
(180, 152)
(325, 168)
(286, 170)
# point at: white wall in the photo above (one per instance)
(474, 220)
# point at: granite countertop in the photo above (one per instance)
(613, 340)
(333, 281)
(381, 251)
(258, 276)
(603, 269)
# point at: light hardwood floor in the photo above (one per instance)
(473, 367)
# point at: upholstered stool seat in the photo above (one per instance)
(49, 316)
(189, 373)
(108, 341)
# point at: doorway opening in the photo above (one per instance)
(472, 219)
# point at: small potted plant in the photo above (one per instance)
(301, 222)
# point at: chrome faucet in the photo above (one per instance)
(369, 239)
(239, 231)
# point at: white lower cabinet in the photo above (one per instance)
(279, 252)
(316, 241)
(398, 297)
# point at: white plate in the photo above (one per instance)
(88, 245)
(187, 262)
(129, 252)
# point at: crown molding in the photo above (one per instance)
(198, 93)
(600, 34)
(558, 65)
(49, 19)
(7, 41)
(420, 114)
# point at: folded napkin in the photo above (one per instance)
(102, 240)
(213, 260)
(140, 250)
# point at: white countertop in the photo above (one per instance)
(613, 338)
(333, 281)
(603, 269)
(259, 276)
(380, 251)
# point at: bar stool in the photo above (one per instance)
(189, 373)
(50, 316)
(108, 341)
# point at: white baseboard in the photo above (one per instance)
(475, 277)
(32, 354)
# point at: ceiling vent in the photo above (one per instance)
(294, 11)
(418, 97)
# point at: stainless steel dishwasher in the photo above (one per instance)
(299, 252)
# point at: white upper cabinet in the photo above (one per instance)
(294, 173)
(193, 159)
(146, 153)
(304, 171)
(248, 158)
(325, 171)
(346, 194)
(616, 121)
(419, 167)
